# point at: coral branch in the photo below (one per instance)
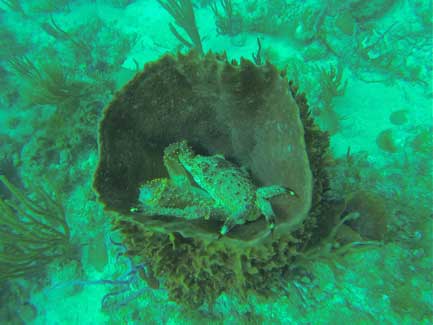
(183, 13)
(32, 233)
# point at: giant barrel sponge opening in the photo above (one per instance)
(252, 116)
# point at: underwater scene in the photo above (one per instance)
(216, 162)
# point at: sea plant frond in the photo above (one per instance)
(14, 5)
(24, 67)
(49, 6)
(329, 247)
(183, 13)
(32, 232)
(47, 83)
(227, 22)
(332, 80)
(52, 28)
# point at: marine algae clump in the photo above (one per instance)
(253, 117)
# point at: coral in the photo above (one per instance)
(91, 41)
(373, 220)
(50, 6)
(14, 5)
(422, 142)
(345, 23)
(398, 117)
(10, 46)
(52, 28)
(332, 85)
(88, 44)
(8, 168)
(321, 83)
(268, 17)
(32, 233)
(363, 10)
(53, 147)
(407, 298)
(385, 141)
(49, 83)
(121, 3)
(338, 241)
(309, 22)
(183, 13)
(229, 23)
(395, 52)
(252, 116)
(422, 10)
(15, 306)
(257, 57)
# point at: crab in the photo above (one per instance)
(207, 187)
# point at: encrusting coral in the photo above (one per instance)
(255, 119)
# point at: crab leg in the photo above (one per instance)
(227, 226)
(177, 172)
(266, 193)
(189, 213)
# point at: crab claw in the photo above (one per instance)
(272, 232)
(227, 226)
(135, 209)
(271, 222)
(272, 225)
(291, 192)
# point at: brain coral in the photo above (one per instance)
(248, 113)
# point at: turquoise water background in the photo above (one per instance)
(366, 70)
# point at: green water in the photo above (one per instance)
(363, 254)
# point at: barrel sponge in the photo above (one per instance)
(248, 113)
